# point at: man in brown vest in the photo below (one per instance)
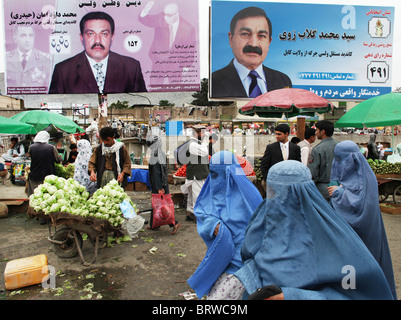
(110, 160)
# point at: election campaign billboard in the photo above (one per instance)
(68, 47)
(340, 52)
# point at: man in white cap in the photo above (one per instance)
(197, 168)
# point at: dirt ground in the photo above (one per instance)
(126, 271)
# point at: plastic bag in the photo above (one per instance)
(163, 210)
(133, 222)
(132, 226)
(127, 209)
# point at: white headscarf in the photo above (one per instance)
(106, 151)
(81, 165)
(42, 137)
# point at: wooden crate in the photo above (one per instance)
(129, 186)
(140, 186)
(390, 208)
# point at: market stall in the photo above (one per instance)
(388, 177)
(180, 175)
(66, 203)
(384, 110)
(139, 179)
(40, 120)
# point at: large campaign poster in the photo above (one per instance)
(340, 52)
(67, 47)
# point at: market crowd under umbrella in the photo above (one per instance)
(290, 102)
(40, 120)
(383, 110)
(11, 126)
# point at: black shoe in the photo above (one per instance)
(190, 217)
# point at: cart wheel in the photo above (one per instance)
(69, 248)
(397, 195)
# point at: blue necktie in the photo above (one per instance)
(254, 89)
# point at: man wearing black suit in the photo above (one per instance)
(97, 69)
(245, 76)
(281, 150)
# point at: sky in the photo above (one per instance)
(204, 31)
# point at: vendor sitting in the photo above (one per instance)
(73, 153)
(15, 152)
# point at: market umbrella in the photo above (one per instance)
(291, 101)
(383, 110)
(42, 119)
(11, 126)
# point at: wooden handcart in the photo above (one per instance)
(66, 230)
(389, 184)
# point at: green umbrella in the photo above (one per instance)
(11, 126)
(42, 119)
(384, 110)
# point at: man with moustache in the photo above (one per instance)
(250, 37)
(97, 69)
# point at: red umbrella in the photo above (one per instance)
(291, 101)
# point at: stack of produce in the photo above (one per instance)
(181, 172)
(57, 194)
(383, 167)
(65, 172)
(245, 165)
(258, 170)
(105, 203)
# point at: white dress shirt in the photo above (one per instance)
(243, 73)
(94, 70)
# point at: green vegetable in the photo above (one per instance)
(58, 194)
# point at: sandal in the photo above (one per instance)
(178, 225)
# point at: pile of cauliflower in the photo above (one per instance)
(58, 194)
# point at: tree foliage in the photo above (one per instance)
(119, 105)
(201, 97)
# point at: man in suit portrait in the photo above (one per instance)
(27, 66)
(245, 76)
(281, 150)
(172, 34)
(97, 69)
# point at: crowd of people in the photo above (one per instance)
(316, 233)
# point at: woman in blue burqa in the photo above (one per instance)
(297, 242)
(223, 209)
(356, 200)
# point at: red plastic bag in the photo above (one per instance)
(163, 210)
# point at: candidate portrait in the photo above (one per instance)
(26, 65)
(97, 69)
(246, 75)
